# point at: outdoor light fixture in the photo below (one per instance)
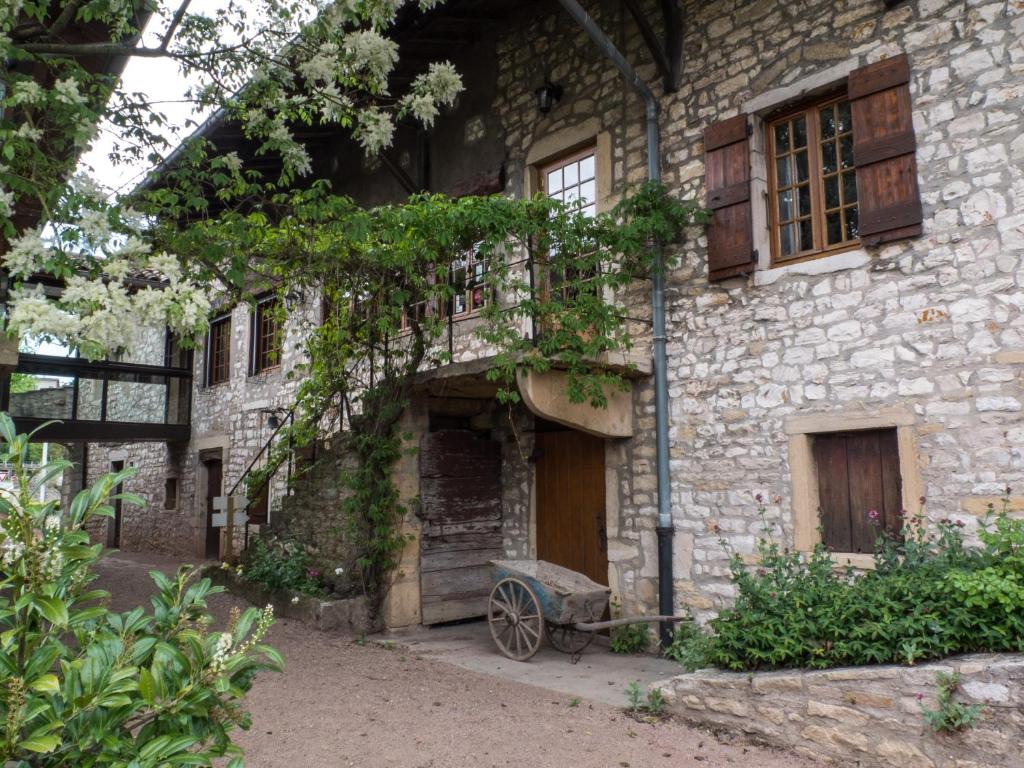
(273, 416)
(547, 95)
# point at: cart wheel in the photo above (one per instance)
(564, 638)
(515, 618)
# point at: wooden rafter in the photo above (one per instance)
(666, 49)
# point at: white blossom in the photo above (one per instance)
(26, 92)
(28, 132)
(376, 130)
(232, 161)
(10, 552)
(423, 108)
(26, 256)
(338, 571)
(95, 227)
(443, 81)
(51, 523)
(372, 52)
(6, 202)
(66, 90)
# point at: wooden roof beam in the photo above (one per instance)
(668, 54)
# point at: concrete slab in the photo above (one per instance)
(599, 675)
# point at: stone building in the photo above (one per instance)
(846, 336)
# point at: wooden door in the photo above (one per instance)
(214, 475)
(114, 537)
(571, 527)
(460, 503)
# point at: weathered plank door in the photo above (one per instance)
(571, 527)
(460, 498)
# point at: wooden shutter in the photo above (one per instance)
(857, 472)
(727, 176)
(883, 151)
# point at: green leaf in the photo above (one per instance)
(40, 744)
(46, 684)
(52, 608)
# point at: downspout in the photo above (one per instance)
(665, 529)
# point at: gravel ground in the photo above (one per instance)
(343, 704)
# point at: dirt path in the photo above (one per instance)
(343, 704)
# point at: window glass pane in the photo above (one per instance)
(832, 192)
(782, 175)
(590, 211)
(806, 235)
(786, 239)
(828, 157)
(804, 197)
(802, 171)
(782, 138)
(834, 228)
(800, 132)
(554, 181)
(587, 168)
(845, 123)
(852, 229)
(849, 187)
(846, 151)
(786, 205)
(828, 122)
(571, 174)
(588, 191)
(572, 194)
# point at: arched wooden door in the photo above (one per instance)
(571, 522)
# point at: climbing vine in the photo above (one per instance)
(553, 281)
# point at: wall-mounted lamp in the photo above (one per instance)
(273, 416)
(548, 95)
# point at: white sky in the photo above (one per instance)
(165, 87)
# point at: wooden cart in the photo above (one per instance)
(534, 598)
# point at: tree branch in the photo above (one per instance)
(75, 50)
(178, 16)
(68, 15)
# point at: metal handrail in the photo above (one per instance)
(287, 421)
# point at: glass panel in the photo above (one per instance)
(804, 199)
(828, 157)
(849, 187)
(800, 132)
(828, 122)
(554, 181)
(571, 174)
(786, 205)
(834, 227)
(590, 211)
(572, 194)
(832, 192)
(588, 191)
(49, 398)
(587, 168)
(90, 399)
(845, 122)
(786, 239)
(806, 235)
(135, 401)
(802, 171)
(782, 174)
(852, 228)
(781, 138)
(846, 151)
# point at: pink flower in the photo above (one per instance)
(919, 697)
(873, 515)
(959, 523)
(759, 498)
(762, 572)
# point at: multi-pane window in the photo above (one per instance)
(266, 336)
(572, 180)
(218, 351)
(812, 181)
(468, 278)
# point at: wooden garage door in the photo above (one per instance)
(460, 497)
(571, 528)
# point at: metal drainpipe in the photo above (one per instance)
(665, 529)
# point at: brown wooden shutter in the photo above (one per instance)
(883, 151)
(858, 472)
(727, 176)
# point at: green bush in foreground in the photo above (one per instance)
(929, 596)
(82, 686)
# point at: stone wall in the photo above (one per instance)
(866, 716)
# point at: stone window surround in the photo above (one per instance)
(757, 107)
(800, 429)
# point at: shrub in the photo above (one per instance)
(83, 686)
(281, 564)
(929, 596)
(951, 715)
(632, 638)
(690, 647)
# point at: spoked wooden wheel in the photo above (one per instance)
(566, 639)
(515, 618)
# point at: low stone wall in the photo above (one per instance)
(864, 716)
(349, 615)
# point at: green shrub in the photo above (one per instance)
(281, 564)
(929, 596)
(632, 638)
(83, 686)
(951, 715)
(690, 647)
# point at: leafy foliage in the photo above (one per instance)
(929, 596)
(690, 646)
(632, 638)
(951, 715)
(280, 564)
(85, 686)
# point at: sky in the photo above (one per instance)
(162, 82)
